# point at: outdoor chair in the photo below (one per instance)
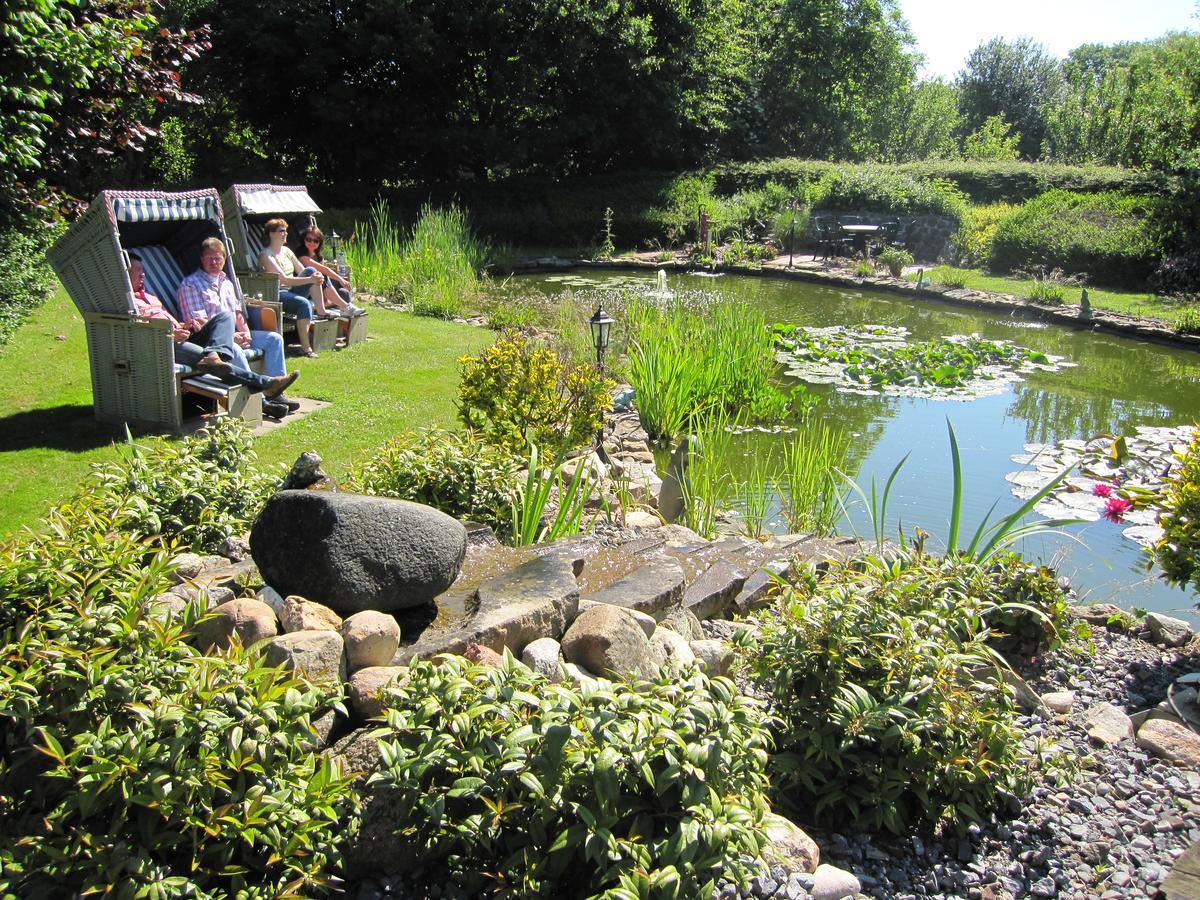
(247, 208)
(135, 378)
(829, 237)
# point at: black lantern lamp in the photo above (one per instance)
(601, 325)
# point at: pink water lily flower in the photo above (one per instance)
(1115, 509)
(1100, 489)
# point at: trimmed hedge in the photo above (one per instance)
(887, 189)
(26, 279)
(1106, 236)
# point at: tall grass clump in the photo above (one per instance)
(435, 269)
(687, 360)
(809, 479)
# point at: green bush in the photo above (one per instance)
(873, 676)
(1188, 321)
(197, 491)
(1105, 236)
(132, 764)
(526, 788)
(885, 189)
(1178, 550)
(26, 279)
(973, 243)
(894, 259)
(518, 392)
(459, 474)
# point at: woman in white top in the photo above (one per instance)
(279, 259)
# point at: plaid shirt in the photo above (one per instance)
(201, 297)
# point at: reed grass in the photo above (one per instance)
(809, 479)
(685, 361)
(708, 479)
(435, 269)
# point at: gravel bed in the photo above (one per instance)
(1112, 829)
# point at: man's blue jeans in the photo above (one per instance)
(217, 337)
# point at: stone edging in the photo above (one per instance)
(1102, 320)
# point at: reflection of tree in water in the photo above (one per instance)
(1054, 415)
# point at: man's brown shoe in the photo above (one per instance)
(279, 384)
(212, 364)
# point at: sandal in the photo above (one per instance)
(310, 353)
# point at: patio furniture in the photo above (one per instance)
(828, 236)
(859, 235)
(247, 208)
(135, 378)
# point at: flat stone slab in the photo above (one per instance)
(651, 589)
(1184, 881)
(1170, 740)
(1108, 725)
(537, 599)
(712, 593)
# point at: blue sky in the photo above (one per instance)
(947, 30)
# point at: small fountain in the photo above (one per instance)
(662, 292)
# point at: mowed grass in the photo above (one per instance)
(1130, 303)
(405, 377)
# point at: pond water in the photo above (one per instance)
(1115, 385)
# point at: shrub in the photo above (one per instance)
(197, 491)
(973, 243)
(26, 279)
(864, 268)
(894, 259)
(1105, 235)
(528, 788)
(883, 189)
(459, 474)
(1178, 275)
(950, 276)
(873, 673)
(518, 392)
(133, 764)
(1178, 550)
(1029, 609)
(1188, 321)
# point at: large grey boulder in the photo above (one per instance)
(352, 552)
(606, 640)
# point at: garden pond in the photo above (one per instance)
(1105, 385)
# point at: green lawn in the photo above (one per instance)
(405, 377)
(1130, 303)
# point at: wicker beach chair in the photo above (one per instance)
(135, 378)
(247, 208)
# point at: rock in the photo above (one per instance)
(671, 649)
(605, 639)
(832, 883)
(715, 656)
(536, 599)
(1108, 725)
(1168, 631)
(371, 639)
(671, 494)
(1102, 615)
(646, 621)
(676, 535)
(271, 597)
(187, 565)
(755, 592)
(378, 846)
(298, 614)
(366, 686)
(683, 622)
(235, 548)
(1027, 698)
(353, 553)
(250, 620)
(483, 656)
(712, 593)
(789, 845)
(209, 596)
(643, 519)
(1059, 701)
(316, 655)
(166, 607)
(1172, 741)
(594, 468)
(322, 725)
(651, 589)
(544, 657)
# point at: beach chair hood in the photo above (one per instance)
(248, 206)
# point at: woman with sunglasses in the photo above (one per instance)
(277, 258)
(336, 285)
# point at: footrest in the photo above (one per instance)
(324, 334)
(354, 330)
(233, 399)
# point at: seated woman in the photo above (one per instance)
(336, 286)
(279, 259)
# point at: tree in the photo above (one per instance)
(79, 78)
(993, 141)
(926, 123)
(832, 73)
(1017, 81)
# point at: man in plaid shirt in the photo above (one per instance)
(209, 291)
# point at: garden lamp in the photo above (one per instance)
(601, 324)
(334, 242)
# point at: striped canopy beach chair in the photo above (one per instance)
(247, 208)
(135, 378)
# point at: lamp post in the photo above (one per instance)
(601, 325)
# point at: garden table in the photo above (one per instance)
(859, 234)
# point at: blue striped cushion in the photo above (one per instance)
(162, 274)
(256, 242)
(164, 209)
